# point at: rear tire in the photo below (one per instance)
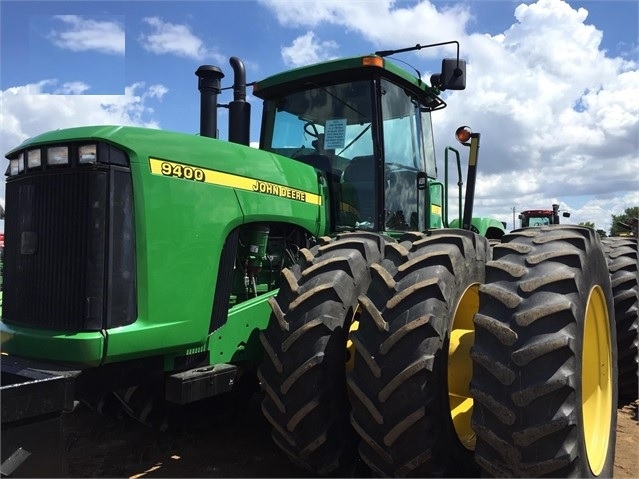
(544, 358)
(305, 344)
(399, 384)
(621, 254)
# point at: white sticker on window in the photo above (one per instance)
(334, 134)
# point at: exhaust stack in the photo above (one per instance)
(239, 108)
(555, 214)
(209, 84)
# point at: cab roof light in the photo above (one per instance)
(373, 61)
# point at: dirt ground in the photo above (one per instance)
(225, 446)
(627, 452)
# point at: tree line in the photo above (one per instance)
(624, 224)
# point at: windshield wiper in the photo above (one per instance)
(355, 139)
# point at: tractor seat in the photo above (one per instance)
(358, 198)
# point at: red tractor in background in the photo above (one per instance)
(541, 217)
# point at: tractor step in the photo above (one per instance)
(199, 383)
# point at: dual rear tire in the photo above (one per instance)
(410, 409)
(621, 254)
(303, 372)
(462, 364)
(544, 357)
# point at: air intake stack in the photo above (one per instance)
(209, 84)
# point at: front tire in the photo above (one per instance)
(305, 345)
(544, 358)
(409, 388)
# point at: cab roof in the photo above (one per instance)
(352, 68)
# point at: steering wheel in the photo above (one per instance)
(307, 129)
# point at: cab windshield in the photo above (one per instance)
(538, 220)
(332, 128)
(331, 121)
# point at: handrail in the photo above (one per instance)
(460, 183)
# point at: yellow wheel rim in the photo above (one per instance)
(596, 383)
(350, 346)
(460, 366)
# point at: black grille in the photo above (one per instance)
(59, 243)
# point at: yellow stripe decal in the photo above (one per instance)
(204, 175)
(436, 210)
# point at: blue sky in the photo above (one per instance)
(553, 86)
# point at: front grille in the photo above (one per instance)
(69, 250)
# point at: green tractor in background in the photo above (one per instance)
(142, 264)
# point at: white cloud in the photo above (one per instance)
(385, 23)
(307, 49)
(559, 116)
(534, 139)
(85, 34)
(27, 111)
(157, 91)
(72, 88)
(176, 39)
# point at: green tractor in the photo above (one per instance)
(318, 267)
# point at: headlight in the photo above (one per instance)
(87, 153)
(58, 155)
(34, 159)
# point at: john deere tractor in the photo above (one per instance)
(144, 264)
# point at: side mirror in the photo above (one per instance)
(452, 77)
(566, 214)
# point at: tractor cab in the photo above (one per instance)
(366, 126)
(541, 217)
